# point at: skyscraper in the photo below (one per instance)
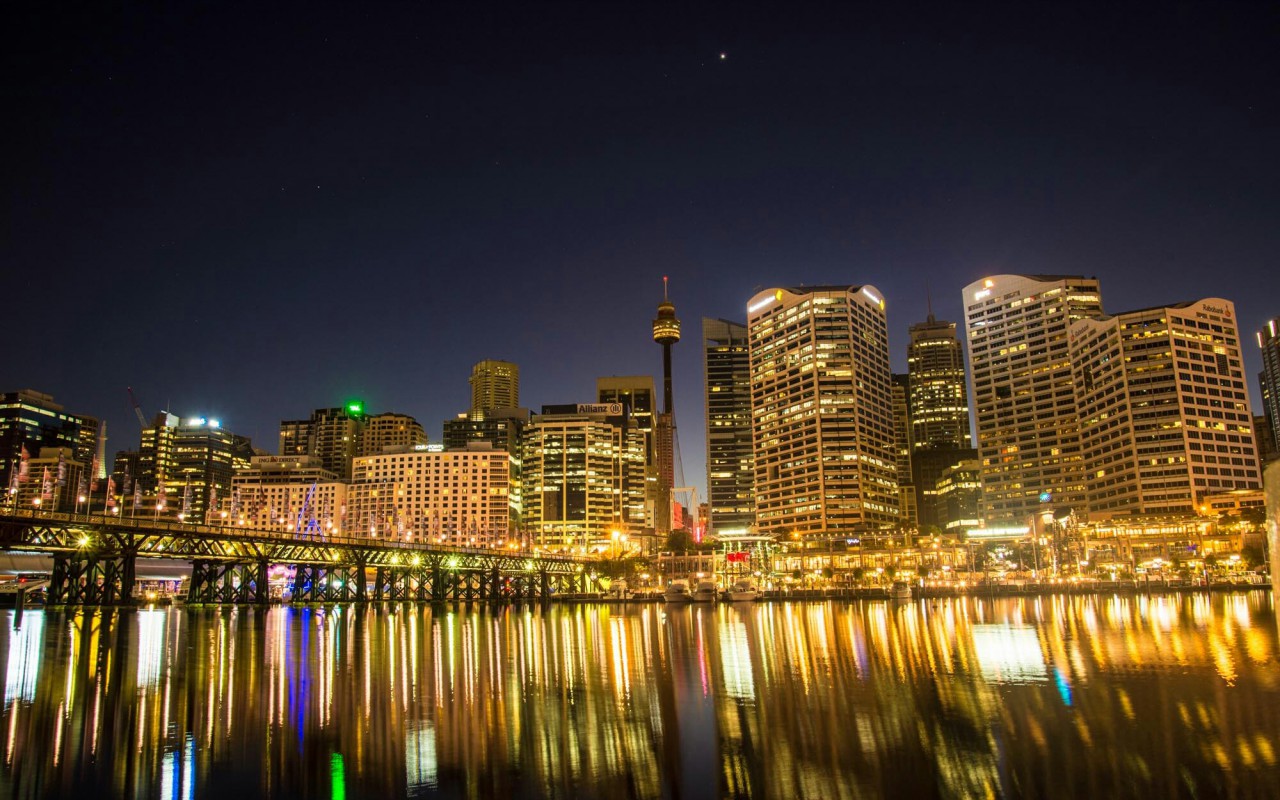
(635, 393)
(1269, 378)
(730, 462)
(666, 332)
(494, 384)
(184, 465)
(334, 435)
(939, 411)
(583, 476)
(32, 420)
(907, 500)
(1164, 408)
(821, 410)
(938, 398)
(1023, 391)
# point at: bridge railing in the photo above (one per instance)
(241, 532)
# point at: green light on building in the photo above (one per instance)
(355, 408)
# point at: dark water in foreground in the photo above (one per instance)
(1069, 697)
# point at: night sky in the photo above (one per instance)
(250, 213)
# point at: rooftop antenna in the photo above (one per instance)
(665, 299)
(928, 298)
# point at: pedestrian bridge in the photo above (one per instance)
(95, 558)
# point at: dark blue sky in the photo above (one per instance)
(250, 213)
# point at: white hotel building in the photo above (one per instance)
(458, 497)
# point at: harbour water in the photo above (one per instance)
(1107, 696)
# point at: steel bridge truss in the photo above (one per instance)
(94, 563)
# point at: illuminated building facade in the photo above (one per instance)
(389, 431)
(635, 393)
(583, 477)
(292, 494)
(821, 411)
(334, 435)
(156, 460)
(957, 496)
(60, 491)
(1164, 409)
(1269, 378)
(503, 429)
(1023, 390)
(459, 497)
(938, 397)
(907, 502)
(494, 384)
(33, 420)
(205, 458)
(730, 461)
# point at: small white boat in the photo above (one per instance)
(901, 590)
(705, 592)
(743, 591)
(678, 592)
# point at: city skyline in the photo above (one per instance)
(364, 206)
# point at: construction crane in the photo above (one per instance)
(137, 408)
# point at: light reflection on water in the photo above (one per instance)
(1061, 696)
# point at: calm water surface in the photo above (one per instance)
(1069, 697)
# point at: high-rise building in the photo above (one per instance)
(730, 461)
(458, 497)
(389, 431)
(503, 429)
(635, 393)
(157, 461)
(576, 463)
(1163, 408)
(1023, 392)
(907, 500)
(938, 397)
(334, 435)
(821, 407)
(291, 494)
(666, 332)
(1269, 378)
(494, 384)
(1264, 436)
(56, 481)
(205, 458)
(957, 496)
(32, 421)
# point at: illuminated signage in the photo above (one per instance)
(600, 408)
(1009, 532)
(1046, 497)
(872, 295)
(765, 302)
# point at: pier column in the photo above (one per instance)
(262, 586)
(58, 581)
(545, 593)
(127, 571)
